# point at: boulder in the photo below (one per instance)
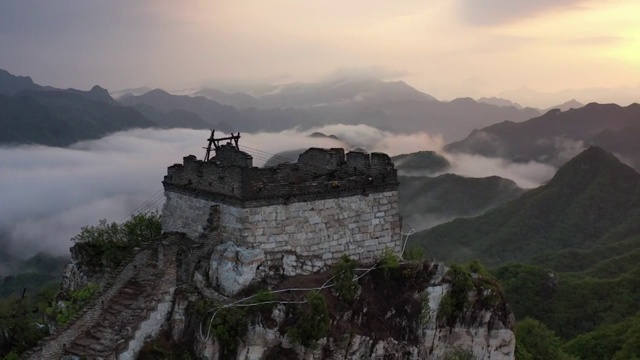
(233, 267)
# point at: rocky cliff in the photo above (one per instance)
(386, 310)
(216, 301)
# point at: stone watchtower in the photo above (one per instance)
(304, 215)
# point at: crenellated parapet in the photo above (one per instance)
(318, 174)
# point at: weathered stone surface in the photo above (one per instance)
(233, 267)
(488, 336)
(314, 232)
(72, 278)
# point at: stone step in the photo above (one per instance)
(120, 318)
(94, 335)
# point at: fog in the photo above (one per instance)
(48, 193)
(527, 175)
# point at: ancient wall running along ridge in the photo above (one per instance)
(309, 213)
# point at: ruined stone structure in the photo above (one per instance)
(235, 223)
(303, 215)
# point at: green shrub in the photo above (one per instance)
(312, 323)
(388, 262)
(476, 267)
(77, 301)
(265, 302)
(345, 287)
(106, 245)
(11, 356)
(228, 327)
(142, 227)
(414, 253)
(539, 341)
(453, 304)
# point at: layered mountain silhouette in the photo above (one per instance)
(593, 200)
(305, 95)
(394, 107)
(210, 111)
(556, 136)
(34, 114)
(426, 202)
(11, 84)
(499, 102)
(176, 118)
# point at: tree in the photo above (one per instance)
(539, 341)
(18, 329)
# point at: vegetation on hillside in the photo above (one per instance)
(38, 272)
(106, 245)
(567, 256)
(426, 202)
(427, 162)
(60, 118)
(27, 297)
(594, 200)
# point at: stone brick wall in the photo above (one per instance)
(303, 216)
(190, 215)
(304, 235)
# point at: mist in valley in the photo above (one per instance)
(49, 193)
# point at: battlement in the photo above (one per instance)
(231, 178)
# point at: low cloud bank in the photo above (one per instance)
(48, 194)
(527, 175)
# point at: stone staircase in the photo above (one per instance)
(121, 317)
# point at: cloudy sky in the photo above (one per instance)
(446, 48)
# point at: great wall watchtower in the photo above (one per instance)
(311, 212)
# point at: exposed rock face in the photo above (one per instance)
(233, 267)
(395, 317)
(73, 278)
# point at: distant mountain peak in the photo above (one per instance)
(101, 93)
(11, 84)
(499, 102)
(98, 88)
(157, 91)
(567, 105)
(589, 164)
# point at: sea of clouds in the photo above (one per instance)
(47, 194)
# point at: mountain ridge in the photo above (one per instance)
(557, 135)
(592, 195)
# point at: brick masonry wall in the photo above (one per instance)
(189, 215)
(317, 232)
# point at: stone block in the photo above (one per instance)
(337, 249)
(269, 215)
(371, 242)
(366, 217)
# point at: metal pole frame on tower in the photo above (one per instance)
(216, 143)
